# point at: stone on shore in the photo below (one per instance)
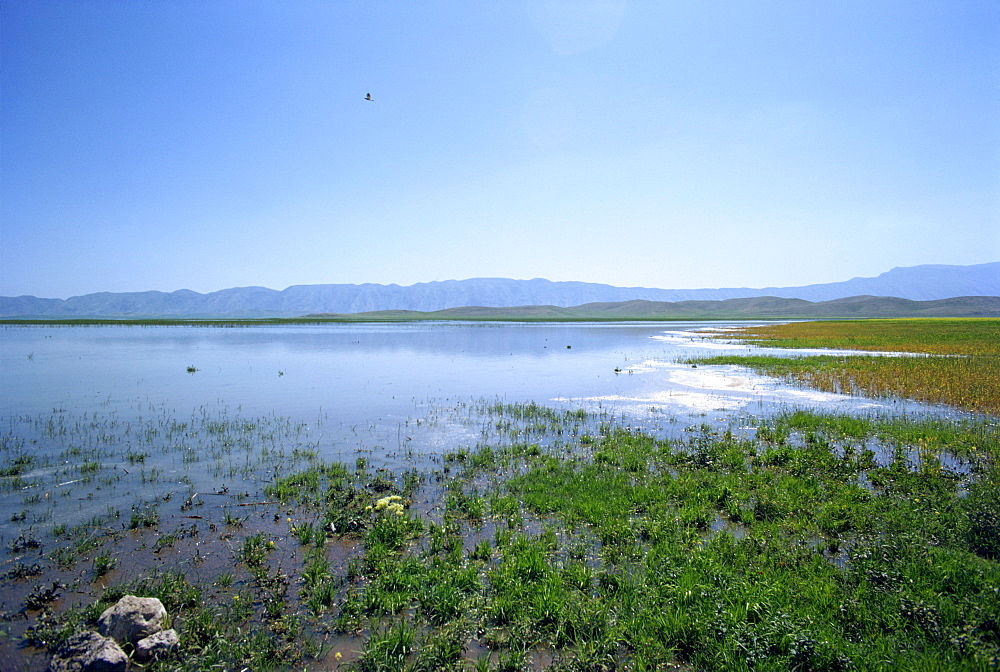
(157, 644)
(132, 618)
(89, 652)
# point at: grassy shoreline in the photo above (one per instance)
(962, 368)
(813, 542)
(558, 541)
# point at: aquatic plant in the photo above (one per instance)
(961, 369)
(559, 539)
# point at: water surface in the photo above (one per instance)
(115, 416)
(359, 373)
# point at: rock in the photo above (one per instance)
(132, 618)
(89, 652)
(162, 642)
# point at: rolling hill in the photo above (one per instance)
(750, 308)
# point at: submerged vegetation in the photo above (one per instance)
(961, 367)
(808, 541)
(558, 540)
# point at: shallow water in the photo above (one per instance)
(356, 374)
(111, 416)
(157, 443)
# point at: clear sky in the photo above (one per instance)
(207, 144)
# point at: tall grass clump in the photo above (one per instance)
(960, 365)
(804, 548)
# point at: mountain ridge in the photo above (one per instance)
(917, 283)
(765, 307)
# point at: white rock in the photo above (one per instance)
(132, 618)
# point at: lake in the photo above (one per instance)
(128, 451)
(95, 417)
(361, 373)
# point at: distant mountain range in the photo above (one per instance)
(914, 283)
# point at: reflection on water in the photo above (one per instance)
(359, 374)
(145, 412)
(686, 390)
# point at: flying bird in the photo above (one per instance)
(368, 96)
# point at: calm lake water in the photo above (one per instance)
(375, 373)
(106, 414)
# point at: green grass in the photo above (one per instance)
(917, 566)
(942, 336)
(804, 542)
(962, 369)
(825, 542)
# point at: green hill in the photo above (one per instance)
(751, 308)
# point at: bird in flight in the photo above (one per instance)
(368, 96)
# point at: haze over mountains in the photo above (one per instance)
(917, 283)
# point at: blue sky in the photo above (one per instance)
(208, 144)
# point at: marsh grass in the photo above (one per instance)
(661, 587)
(609, 557)
(847, 543)
(560, 541)
(969, 336)
(962, 369)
